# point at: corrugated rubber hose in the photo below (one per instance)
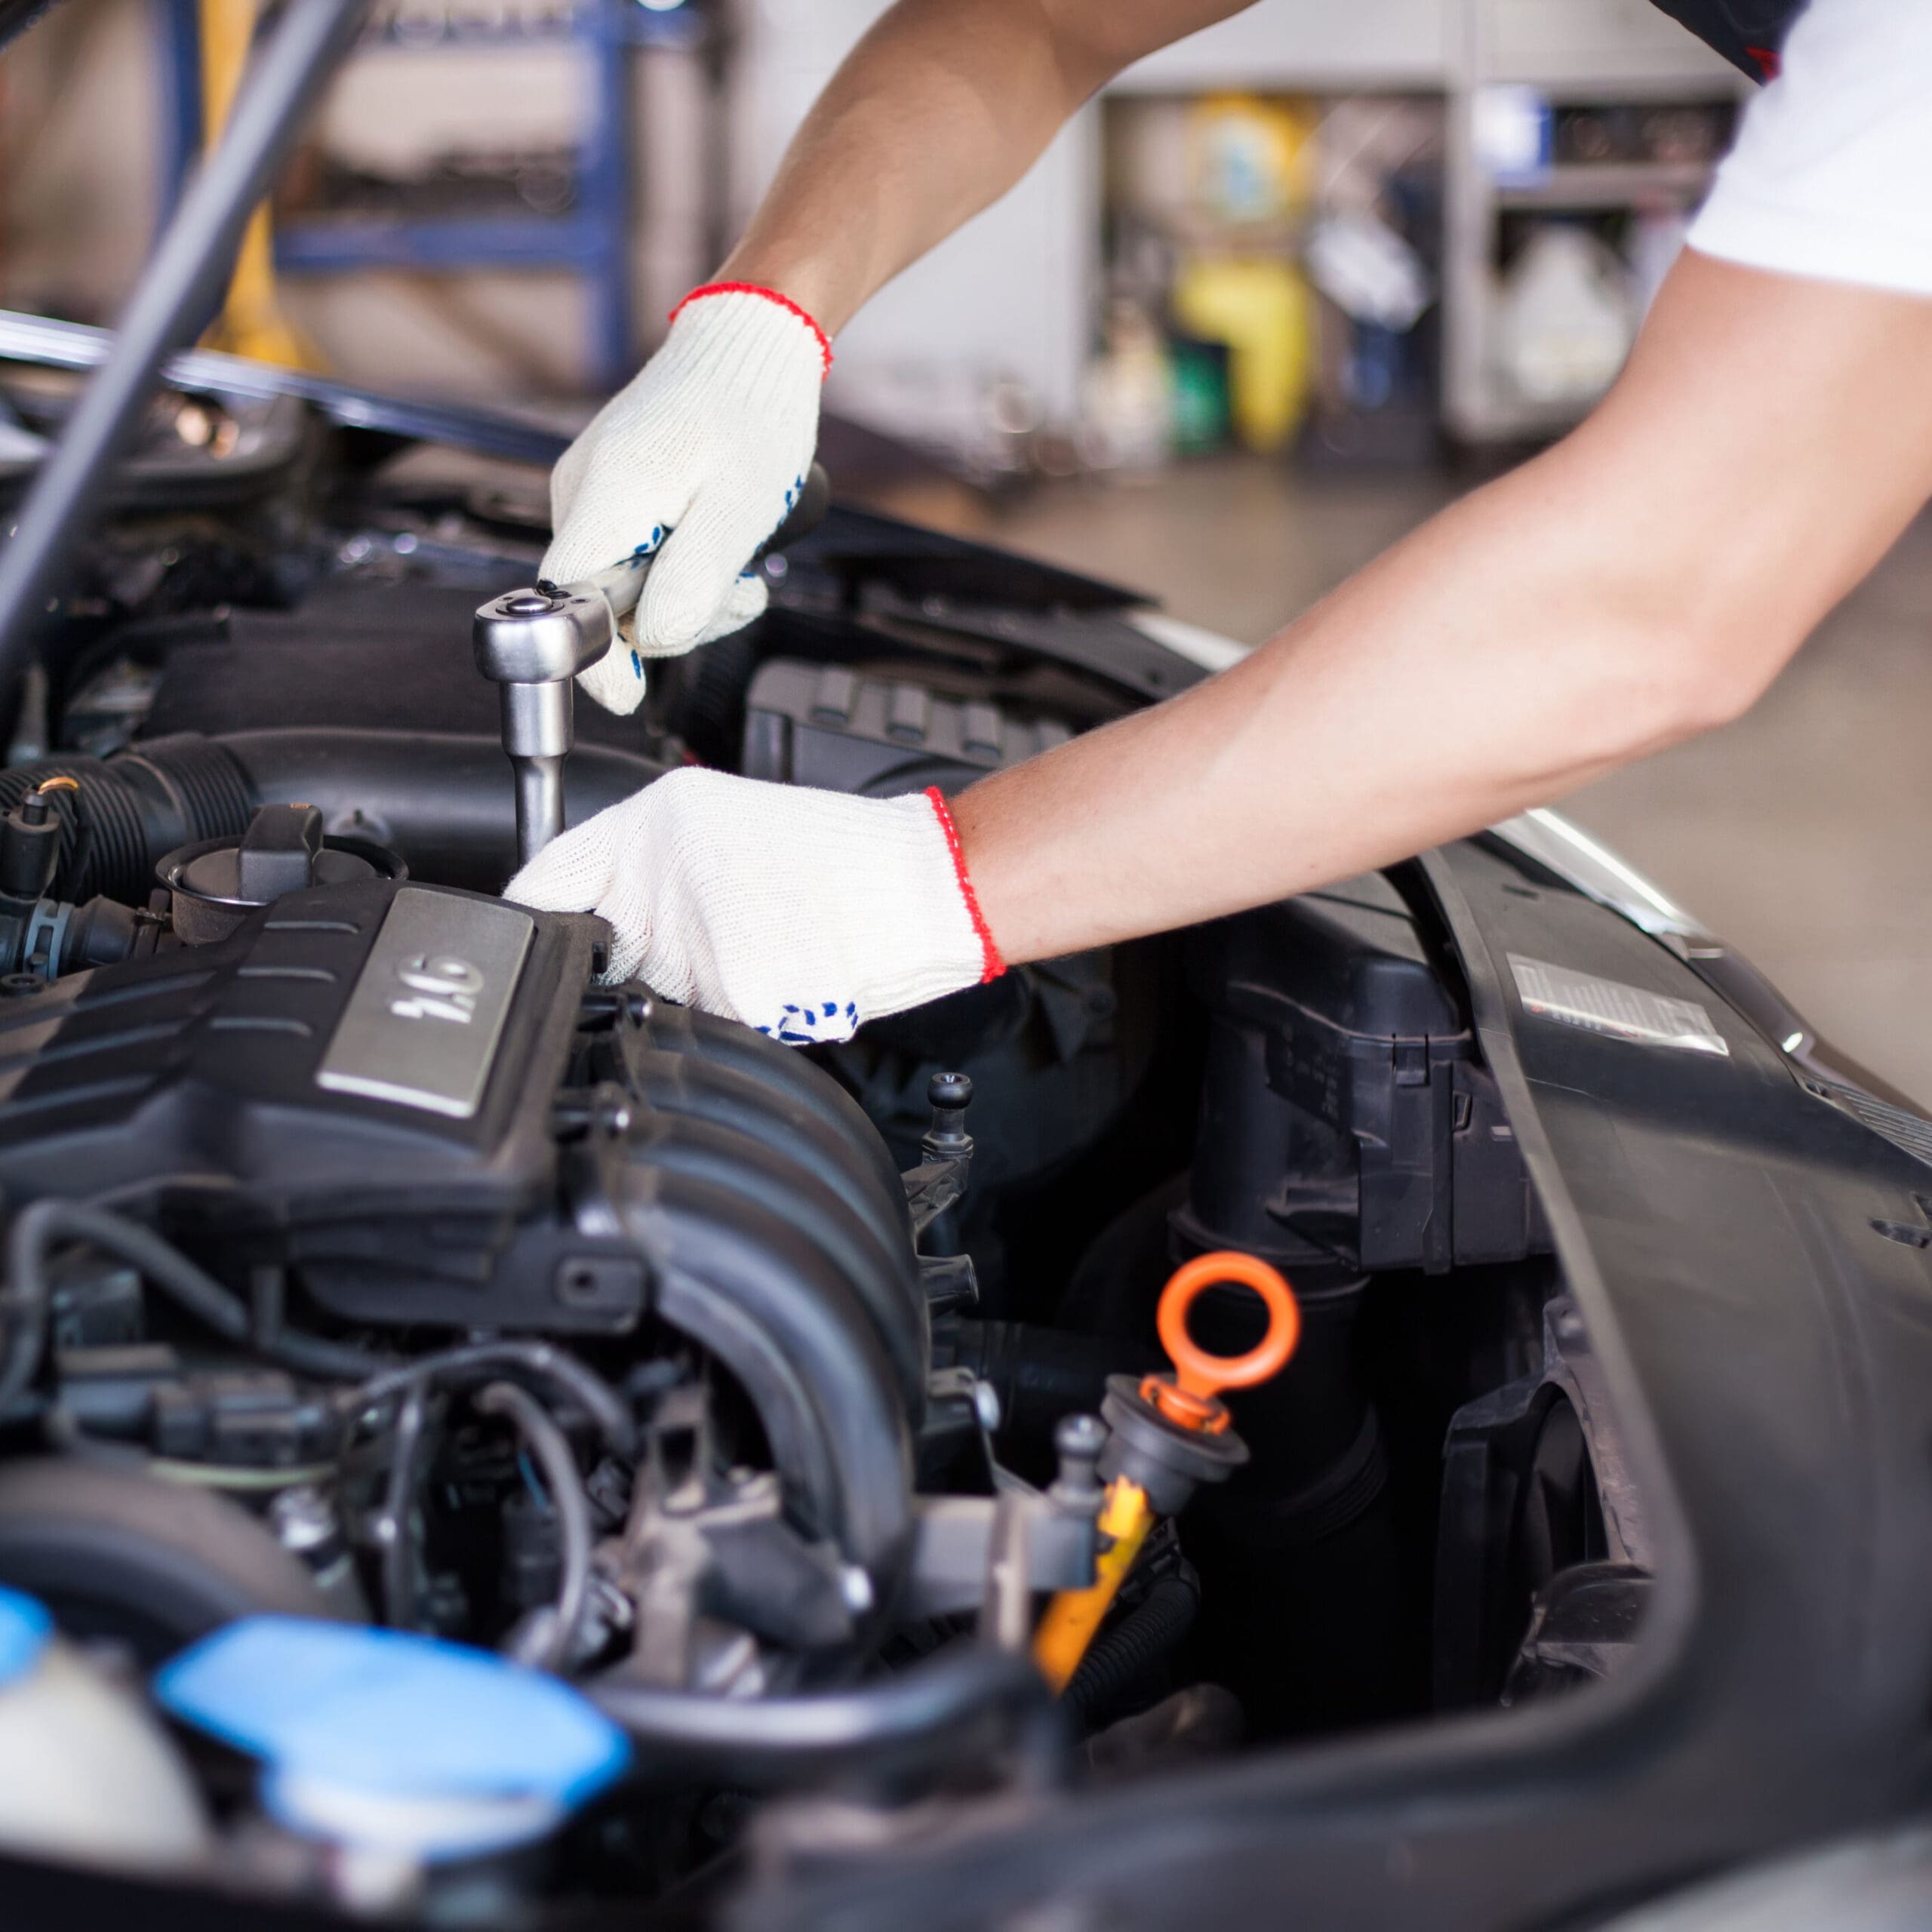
(1118, 1661)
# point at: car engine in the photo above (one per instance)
(372, 1261)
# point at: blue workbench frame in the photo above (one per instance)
(593, 239)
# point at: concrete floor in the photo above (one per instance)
(1799, 833)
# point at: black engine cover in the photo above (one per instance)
(420, 1103)
(361, 1080)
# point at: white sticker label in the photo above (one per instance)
(1606, 1006)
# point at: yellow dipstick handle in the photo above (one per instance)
(1188, 1402)
(1073, 1615)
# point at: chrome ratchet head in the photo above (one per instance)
(543, 635)
(531, 643)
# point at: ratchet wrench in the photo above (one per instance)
(531, 643)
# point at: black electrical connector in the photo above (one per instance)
(42, 937)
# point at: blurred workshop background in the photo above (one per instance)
(1277, 295)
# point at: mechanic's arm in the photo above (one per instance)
(938, 111)
(1640, 582)
(935, 113)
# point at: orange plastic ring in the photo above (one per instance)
(1198, 1373)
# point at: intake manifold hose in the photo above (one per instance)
(123, 813)
(443, 800)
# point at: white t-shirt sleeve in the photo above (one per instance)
(1832, 172)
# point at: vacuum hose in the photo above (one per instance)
(1120, 1666)
(922, 1719)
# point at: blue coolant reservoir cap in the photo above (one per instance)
(382, 1737)
(26, 1629)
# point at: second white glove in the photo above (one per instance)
(697, 459)
(802, 913)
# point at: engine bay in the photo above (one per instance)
(373, 1262)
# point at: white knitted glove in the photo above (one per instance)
(803, 914)
(703, 452)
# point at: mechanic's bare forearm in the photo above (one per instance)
(939, 110)
(1644, 580)
(1419, 702)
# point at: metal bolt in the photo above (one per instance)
(528, 604)
(946, 1137)
(950, 1090)
(303, 1519)
(985, 1406)
(1080, 1435)
(1078, 1441)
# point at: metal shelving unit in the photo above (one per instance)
(1573, 53)
(1617, 184)
(593, 239)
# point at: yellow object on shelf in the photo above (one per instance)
(251, 323)
(1249, 158)
(1073, 1615)
(1262, 309)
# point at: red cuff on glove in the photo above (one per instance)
(994, 964)
(770, 295)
